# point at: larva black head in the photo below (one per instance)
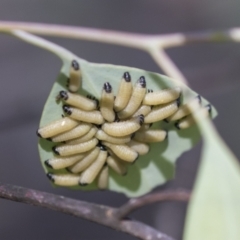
(166, 135)
(177, 125)
(141, 119)
(50, 176)
(107, 87)
(49, 139)
(47, 164)
(75, 65)
(83, 184)
(102, 148)
(67, 109)
(127, 77)
(63, 95)
(142, 81)
(209, 108)
(165, 120)
(199, 98)
(178, 102)
(38, 134)
(55, 150)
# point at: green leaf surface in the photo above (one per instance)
(151, 170)
(214, 210)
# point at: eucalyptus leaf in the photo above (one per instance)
(214, 210)
(150, 170)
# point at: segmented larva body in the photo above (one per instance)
(189, 120)
(85, 116)
(86, 161)
(103, 178)
(75, 77)
(150, 135)
(161, 96)
(71, 149)
(185, 109)
(88, 136)
(124, 93)
(135, 100)
(125, 128)
(139, 147)
(76, 132)
(61, 163)
(92, 171)
(78, 101)
(67, 180)
(57, 127)
(123, 151)
(102, 136)
(142, 110)
(161, 112)
(106, 103)
(116, 164)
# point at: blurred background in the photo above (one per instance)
(27, 75)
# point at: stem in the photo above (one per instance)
(153, 44)
(167, 65)
(170, 195)
(100, 214)
(149, 43)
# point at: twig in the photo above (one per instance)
(151, 44)
(101, 214)
(167, 65)
(133, 204)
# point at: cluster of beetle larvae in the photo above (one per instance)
(112, 132)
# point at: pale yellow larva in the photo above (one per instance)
(143, 109)
(106, 103)
(124, 128)
(101, 135)
(57, 127)
(150, 135)
(185, 110)
(103, 178)
(71, 149)
(123, 151)
(162, 96)
(85, 116)
(76, 132)
(144, 127)
(64, 179)
(77, 100)
(89, 135)
(189, 120)
(86, 161)
(75, 77)
(139, 147)
(161, 112)
(136, 98)
(116, 164)
(124, 93)
(60, 163)
(93, 170)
